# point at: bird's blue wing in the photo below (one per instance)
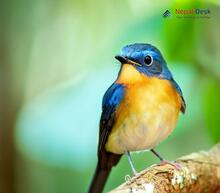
(177, 87)
(111, 100)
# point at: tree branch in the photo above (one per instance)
(196, 173)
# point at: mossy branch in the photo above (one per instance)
(197, 173)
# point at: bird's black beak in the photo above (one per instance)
(125, 60)
(121, 59)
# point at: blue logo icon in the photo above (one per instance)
(166, 14)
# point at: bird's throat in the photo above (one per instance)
(129, 74)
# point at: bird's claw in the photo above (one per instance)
(176, 165)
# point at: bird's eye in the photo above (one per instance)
(148, 60)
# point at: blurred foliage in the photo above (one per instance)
(212, 109)
(61, 53)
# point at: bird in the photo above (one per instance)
(139, 110)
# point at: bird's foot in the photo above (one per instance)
(176, 165)
(135, 173)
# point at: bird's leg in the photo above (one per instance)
(163, 161)
(158, 155)
(131, 163)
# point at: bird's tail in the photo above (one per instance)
(99, 179)
(105, 163)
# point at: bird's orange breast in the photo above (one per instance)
(146, 116)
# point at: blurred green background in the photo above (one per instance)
(57, 60)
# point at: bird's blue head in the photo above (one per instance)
(146, 58)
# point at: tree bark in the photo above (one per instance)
(195, 173)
